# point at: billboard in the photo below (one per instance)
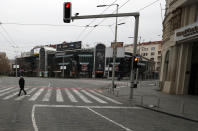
(69, 46)
(119, 44)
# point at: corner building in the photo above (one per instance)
(179, 70)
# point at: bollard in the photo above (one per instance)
(158, 102)
(182, 107)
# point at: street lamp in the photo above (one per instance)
(114, 46)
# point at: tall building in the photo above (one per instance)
(179, 71)
(149, 50)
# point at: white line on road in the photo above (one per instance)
(72, 106)
(107, 98)
(12, 95)
(29, 92)
(59, 97)
(71, 97)
(47, 95)
(82, 96)
(120, 125)
(36, 95)
(7, 92)
(94, 97)
(6, 89)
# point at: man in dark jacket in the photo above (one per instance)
(21, 84)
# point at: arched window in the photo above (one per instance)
(166, 62)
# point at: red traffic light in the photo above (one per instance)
(68, 5)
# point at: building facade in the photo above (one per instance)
(149, 50)
(179, 70)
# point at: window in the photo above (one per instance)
(152, 53)
(152, 48)
(159, 52)
(152, 59)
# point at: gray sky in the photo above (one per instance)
(51, 12)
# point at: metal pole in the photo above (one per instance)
(16, 67)
(114, 51)
(46, 63)
(94, 62)
(63, 67)
(134, 53)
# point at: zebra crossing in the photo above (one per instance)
(73, 95)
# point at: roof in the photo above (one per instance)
(146, 43)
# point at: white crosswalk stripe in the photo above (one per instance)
(6, 89)
(7, 92)
(94, 97)
(36, 95)
(82, 96)
(22, 97)
(107, 98)
(74, 95)
(47, 95)
(59, 97)
(12, 95)
(1, 88)
(71, 97)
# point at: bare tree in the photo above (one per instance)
(4, 64)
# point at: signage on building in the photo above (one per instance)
(119, 44)
(109, 52)
(69, 46)
(189, 31)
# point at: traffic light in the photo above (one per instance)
(67, 12)
(135, 62)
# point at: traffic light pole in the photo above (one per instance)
(136, 15)
(132, 78)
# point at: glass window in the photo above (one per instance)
(152, 53)
(152, 48)
(152, 59)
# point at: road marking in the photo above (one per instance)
(87, 107)
(94, 97)
(29, 92)
(12, 95)
(7, 92)
(6, 89)
(82, 96)
(47, 95)
(59, 97)
(120, 125)
(36, 95)
(71, 97)
(1, 88)
(107, 98)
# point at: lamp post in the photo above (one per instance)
(114, 46)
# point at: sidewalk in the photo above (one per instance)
(149, 96)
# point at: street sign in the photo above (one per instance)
(63, 67)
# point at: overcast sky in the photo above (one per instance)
(15, 38)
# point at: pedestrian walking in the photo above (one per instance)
(21, 85)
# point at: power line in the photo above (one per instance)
(105, 19)
(92, 22)
(23, 24)
(150, 4)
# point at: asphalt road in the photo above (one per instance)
(76, 105)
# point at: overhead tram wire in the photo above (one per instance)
(93, 21)
(152, 3)
(104, 20)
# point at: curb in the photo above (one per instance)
(170, 114)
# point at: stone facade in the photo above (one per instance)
(179, 38)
